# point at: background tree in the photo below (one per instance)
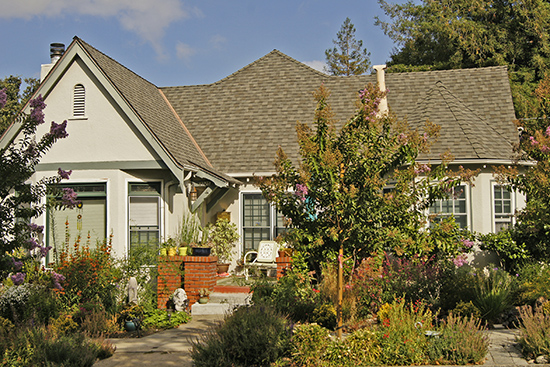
(340, 194)
(532, 230)
(348, 57)
(450, 34)
(15, 98)
(21, 201)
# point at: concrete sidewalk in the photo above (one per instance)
(172, 347)
(166, 348)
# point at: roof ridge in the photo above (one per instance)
(270, 54)
(80, 40)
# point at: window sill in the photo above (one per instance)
(77, 118)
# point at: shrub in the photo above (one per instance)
(14, 300)
(308, 345)
(158, 319)
(64, 324)
(325, 315)
(492, 293)
(534, 282)
(460, 342)
(401, 333)
(361, 348)
(467, 309)
(534, 330)
(251, 336)
(37, 346)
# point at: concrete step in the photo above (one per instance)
(221, 303)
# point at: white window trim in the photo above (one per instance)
(512, 207)
(273, 217)
(162, 207)
(467, 197)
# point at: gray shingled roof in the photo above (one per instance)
(241, 120)
(148, 102)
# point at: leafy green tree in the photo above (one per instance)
(532, 230)
(360, 188)
(450, 34)
(21, 201)
(348, 57)
(15, 98)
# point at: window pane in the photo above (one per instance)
(144, 211)
(253, 236)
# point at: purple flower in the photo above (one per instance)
(18, 278)
(37, 106)
(17, 265)
(545, 149)
(548, 131)
(32, 243)
(3, 98)
(44, 250)
(57, 280)
(467, 243)
(33, 227)
(58, 130)
(459, 261)
(69, 198)
(64, 174)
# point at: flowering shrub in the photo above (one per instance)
(14, 300)
(90, 274)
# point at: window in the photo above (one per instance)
(503, 208)
(260, 221)
(79, 101)
(89, 217)
(455, 205)
(144, 215)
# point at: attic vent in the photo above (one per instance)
(79, 99)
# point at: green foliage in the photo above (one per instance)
(460, 342)
(190, 230)
(451, 34)
(336, 196)
(158, 319)
(308, 343)
(534, 282)
(223, 236)
(512, 254)
(466, 309)
(39, 347)
(251, 336)
(16, 98)
(492, 293)
(294, 296)
(325, 315)
(348, 57)
(534, 330)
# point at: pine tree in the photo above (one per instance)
(348, 57)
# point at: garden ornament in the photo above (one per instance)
(132, 291)
(180, 299)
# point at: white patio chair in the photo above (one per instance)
(265, 257)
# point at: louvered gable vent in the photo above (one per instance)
(79, 101)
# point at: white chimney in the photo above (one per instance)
(56, 51)
(381, 79)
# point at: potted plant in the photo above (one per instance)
(167, 247)
(131, 315)
(204, 295)
(223, 236)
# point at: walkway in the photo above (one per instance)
(172, 347)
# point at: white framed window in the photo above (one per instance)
(144, 214)
(503, 208)
(260, 220)
(89, 217)
(79, 101)
(455, 205)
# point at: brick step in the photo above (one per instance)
(231, 289)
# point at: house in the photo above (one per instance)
(143, 156)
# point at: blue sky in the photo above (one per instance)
(179, 42)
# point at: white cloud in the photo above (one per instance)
(218, 41)
(316, 64)
(147, 18)
(184, 51)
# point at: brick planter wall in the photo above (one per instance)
(283, 263)
(199, 272)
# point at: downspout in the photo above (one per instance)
(167, 199)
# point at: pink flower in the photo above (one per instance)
(533, 140)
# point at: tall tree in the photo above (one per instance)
(348, 57)
(444, 34)
(16, 98)
(338, 196)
